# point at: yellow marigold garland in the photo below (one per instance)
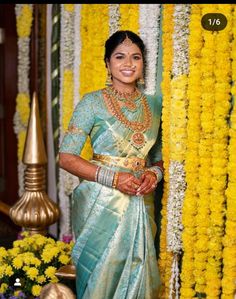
(205, 152)
(24, 21)
(92, 69)
(129, 17)
(192, 159)
(218, 182)
(68, 97)
(229, 240)
(23, 107)
(69, 7)
(165, 259)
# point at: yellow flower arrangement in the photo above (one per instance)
(68, 96)
(92, 68)
(191, 159)
(229, 239)
(219, 158)
(69, 7)
(24, 21)
(207, 99)
(129, 17)
(33, 260)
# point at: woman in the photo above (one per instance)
(114, 252)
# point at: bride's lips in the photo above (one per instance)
(127, 72)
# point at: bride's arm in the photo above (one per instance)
(86, 170)
(78, 166)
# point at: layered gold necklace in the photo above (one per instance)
(112, 98)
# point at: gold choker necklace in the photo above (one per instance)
(128, 98)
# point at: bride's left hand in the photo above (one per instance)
(149, 183)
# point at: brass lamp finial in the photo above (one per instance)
(34, 210)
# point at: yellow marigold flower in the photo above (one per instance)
(50, 272)
(14, 251)
(25, 268)
(37, 262)
(17, 262)
(69, 7)
(28, 256)
(22, 104)
(36, 289)
(24, 21)
(48, 254)
(61, 244)
(9, 271)
(64, 259)
(2, 270)
(3, 288)
(187, 292)
(40, 240)
(3, 252)
(41, 279)
(21, 144)
(54, 279)
(17, 243)
(32, 272)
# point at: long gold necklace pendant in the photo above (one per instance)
(138, 139)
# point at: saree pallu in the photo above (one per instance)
(114, 253)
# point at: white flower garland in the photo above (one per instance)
(66, 182)
(114, 17)
(176, 170)
(174, 206)
(177, 141)
(180, 38)
(149, 21)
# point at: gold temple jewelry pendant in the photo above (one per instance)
(137, 139)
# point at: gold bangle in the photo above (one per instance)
(115, 180)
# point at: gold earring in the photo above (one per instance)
(141, 82)
(109, 80)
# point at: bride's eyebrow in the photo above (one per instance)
(122, 53)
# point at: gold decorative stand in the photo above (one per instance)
(34, 211)
(67, 271)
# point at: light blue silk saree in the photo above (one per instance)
(114, 253)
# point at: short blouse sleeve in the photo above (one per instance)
(79, 127)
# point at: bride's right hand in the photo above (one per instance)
(127, 183)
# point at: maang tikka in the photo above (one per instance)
(127, 41)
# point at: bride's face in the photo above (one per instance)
(126, 65)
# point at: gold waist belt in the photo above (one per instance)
(132, 163)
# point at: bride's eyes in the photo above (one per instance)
(119, 56)
(135, 57)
